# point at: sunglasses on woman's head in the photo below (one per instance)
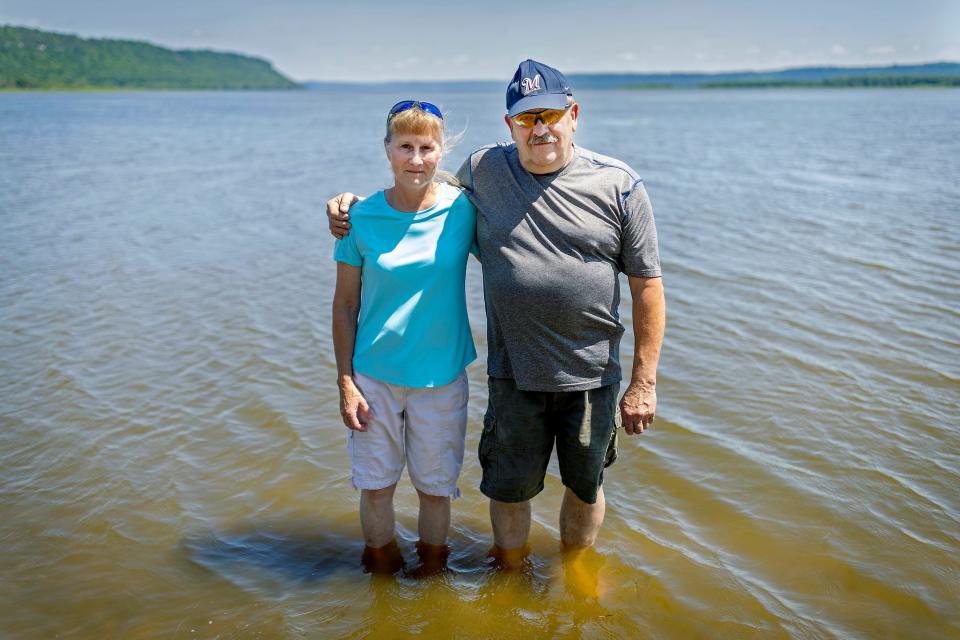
(404, 105)
(528, 119)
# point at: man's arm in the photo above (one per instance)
(338, 207)
(338, 213)
(639, 403)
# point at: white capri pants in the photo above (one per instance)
(424, 428)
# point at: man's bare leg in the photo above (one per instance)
(580, 521)
(511, 528)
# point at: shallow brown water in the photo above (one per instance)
(172, 464)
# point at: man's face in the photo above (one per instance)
(543, 148)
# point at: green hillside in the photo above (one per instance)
(855, 81)
(935, 74)
(32, 59)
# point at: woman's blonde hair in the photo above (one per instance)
(417, 122)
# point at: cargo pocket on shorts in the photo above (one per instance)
(487, 443)
(612, 447)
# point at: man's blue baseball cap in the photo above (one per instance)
(536, 86)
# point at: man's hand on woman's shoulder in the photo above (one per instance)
(338, 213)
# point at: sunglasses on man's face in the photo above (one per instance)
(404, 105)
(528, 119)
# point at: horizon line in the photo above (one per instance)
(447, 80)
(646, 73)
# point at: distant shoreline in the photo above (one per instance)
(35, 60)
(31, 59)
(639, 87)
(774, 87)
(867, 82)
(105, 89)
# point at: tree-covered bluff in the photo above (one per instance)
(34, 59)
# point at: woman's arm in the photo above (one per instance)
(346, 307)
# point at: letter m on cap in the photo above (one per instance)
(529, 85)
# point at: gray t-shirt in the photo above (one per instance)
(551, 247)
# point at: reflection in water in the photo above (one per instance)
(581, 572)
(286, 561)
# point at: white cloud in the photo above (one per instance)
(881, 51)
(950, 53)
(461, 59)
(406, 63)
(628, 56)
(838, 50)
(753, 50)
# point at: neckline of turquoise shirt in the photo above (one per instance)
(443, 199)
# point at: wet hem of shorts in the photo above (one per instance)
(372, 485)
(444, 492)
(485, 490)
(579, 497)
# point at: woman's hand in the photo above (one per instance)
(353, 406)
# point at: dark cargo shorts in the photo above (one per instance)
(519, 430)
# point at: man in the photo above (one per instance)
(556, 224)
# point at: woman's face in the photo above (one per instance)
(414, 160)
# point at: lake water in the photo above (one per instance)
(172, 461)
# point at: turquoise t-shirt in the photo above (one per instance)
(413, 328)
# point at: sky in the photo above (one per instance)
(378, 40)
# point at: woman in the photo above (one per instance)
(402, 346)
